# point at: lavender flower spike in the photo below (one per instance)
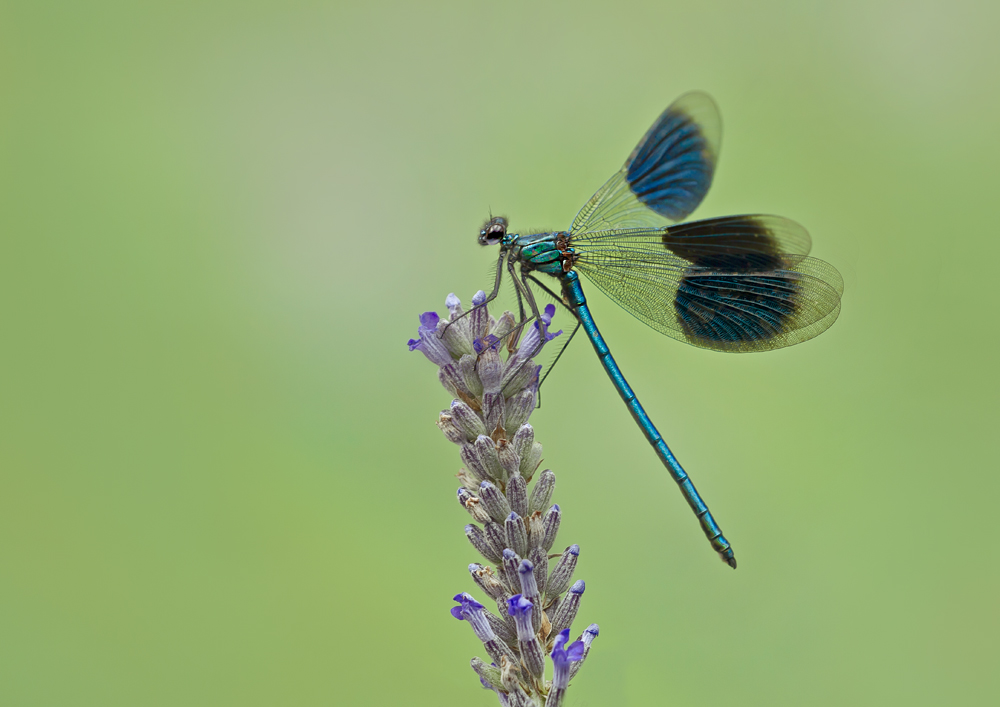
(493, 389)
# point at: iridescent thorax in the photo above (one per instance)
(545, 252)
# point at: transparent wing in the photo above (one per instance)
(734, 291)
(666, 176)
(615, 206)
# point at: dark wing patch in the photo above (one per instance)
(760, 311)
(732, 309)
(739, 243)
(671, 168)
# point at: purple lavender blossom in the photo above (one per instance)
(531, 648)
(472, 611)
(563, 657)
(546, 316)
(429, 343)
(467, 607)
(428, 323)
(518, 606)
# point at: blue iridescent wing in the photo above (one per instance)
(737, 284)
(666, 176)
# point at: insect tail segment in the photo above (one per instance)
(576, 299)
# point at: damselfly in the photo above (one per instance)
(735, 284)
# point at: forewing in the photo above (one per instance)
(666, 176)
(723, 309)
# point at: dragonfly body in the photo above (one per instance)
(733, 284)
(553, 254)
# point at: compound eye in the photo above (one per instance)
(493, 231)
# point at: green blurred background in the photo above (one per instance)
(220, 479)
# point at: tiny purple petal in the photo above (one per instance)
(546, 317)
(518, 605)
(456, 611)
(532, 338)
(575, 651)
(478, 298)
(486, 342)
(468, 604)
(467, 600)
(561, 656)
(429, 320)
(429, 342)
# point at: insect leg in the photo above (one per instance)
(512, 340)
(489, 298)
(542, 329)
(521, 291)
(568, 339)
